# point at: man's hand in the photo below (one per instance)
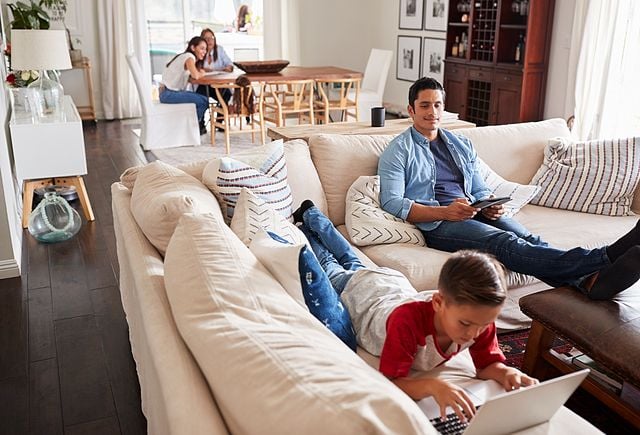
(493, 212)
(446, 394)
(459, 210)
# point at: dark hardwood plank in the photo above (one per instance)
(42, 344)
(84, 382)
(44, 398)
(113, 328)
(14, 406)
(69, 288)
(13, 328)
(96, 257)
(105, 426)
(38, 264)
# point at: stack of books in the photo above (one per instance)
(603, 376)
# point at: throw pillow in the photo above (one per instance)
(253, 214)
(368, 224)
(161, 194)
(297, 269)
(263, 170)
(521, 194)
(598, 176)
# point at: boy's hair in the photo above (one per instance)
(422, 84)
(473, 278)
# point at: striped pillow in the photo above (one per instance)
(597, 176)
(262, 170)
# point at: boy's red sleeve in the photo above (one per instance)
(401, 344)
(485, 349)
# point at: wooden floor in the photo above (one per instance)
(65, 359)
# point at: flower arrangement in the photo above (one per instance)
(22, 79)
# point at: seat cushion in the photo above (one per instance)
(263, 355)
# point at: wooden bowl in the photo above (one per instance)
(262, 66)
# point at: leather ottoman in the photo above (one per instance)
(607, 331)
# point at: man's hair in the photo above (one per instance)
(473, 278)
(422, 84)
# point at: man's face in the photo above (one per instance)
(426, 112)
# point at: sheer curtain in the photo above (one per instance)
(282, 30)
(121, 29)
(607, 90)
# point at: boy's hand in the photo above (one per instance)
(446, 394)
(514, 379)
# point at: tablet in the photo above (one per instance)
(487, 202)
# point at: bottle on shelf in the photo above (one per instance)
(462, 48)
(454, 49)
(519, 49)
(524, 7)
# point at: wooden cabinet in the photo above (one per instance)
(501, 76)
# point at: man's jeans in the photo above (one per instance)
(520, 251)
(333, 252)
(167, 96)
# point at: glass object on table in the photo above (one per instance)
(54, 220)
(24, 104)
(49, 95)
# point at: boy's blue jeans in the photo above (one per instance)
(332, 250)
(515, 247)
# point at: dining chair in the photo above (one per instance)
(337, 95)
(373, 82)
(244, 112)
(283, 99)
(163, 125)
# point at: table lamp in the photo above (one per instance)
(42, 50)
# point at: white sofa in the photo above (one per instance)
(192, 382)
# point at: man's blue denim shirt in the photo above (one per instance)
(408, 174)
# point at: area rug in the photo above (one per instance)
(176, 156)
(514, 343)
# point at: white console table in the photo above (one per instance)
(50, 152)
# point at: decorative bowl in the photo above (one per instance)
(262, 66)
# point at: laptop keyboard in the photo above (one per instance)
(451, 426)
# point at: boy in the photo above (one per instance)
(415, 330)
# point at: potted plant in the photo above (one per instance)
(28, 16)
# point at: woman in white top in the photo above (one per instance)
(177, 74)
(216, 59)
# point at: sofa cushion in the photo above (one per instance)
(248, 335)
(253, 214)
(296, 267)
(340, 160)
(368, 224)
(598, 176)
(262, 169)
(521, 194)
(161, 194)
(303, 177)
(515, 150)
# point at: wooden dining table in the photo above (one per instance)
(289, 73)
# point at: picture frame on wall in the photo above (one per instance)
(408, 59)
(433, 54)
(435, 15)
(411, 15)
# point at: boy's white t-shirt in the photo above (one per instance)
(175, 76)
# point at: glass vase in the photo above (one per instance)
(50, 96)
(54, 220)
(24, 104)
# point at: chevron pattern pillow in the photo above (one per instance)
(253, 214)
(598, 176)
(368, 224)
(262, 169)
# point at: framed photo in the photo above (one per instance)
(433, 53)
(411, 14)
(409, 55)
(435, 15)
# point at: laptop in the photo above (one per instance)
(515, 410)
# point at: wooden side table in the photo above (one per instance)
(50, 152)
(78, 83)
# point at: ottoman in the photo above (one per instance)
(607, 331)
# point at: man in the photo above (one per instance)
(428, 176)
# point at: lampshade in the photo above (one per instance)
(39, 50)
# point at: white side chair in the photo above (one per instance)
(163, 125)
(373, 82)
